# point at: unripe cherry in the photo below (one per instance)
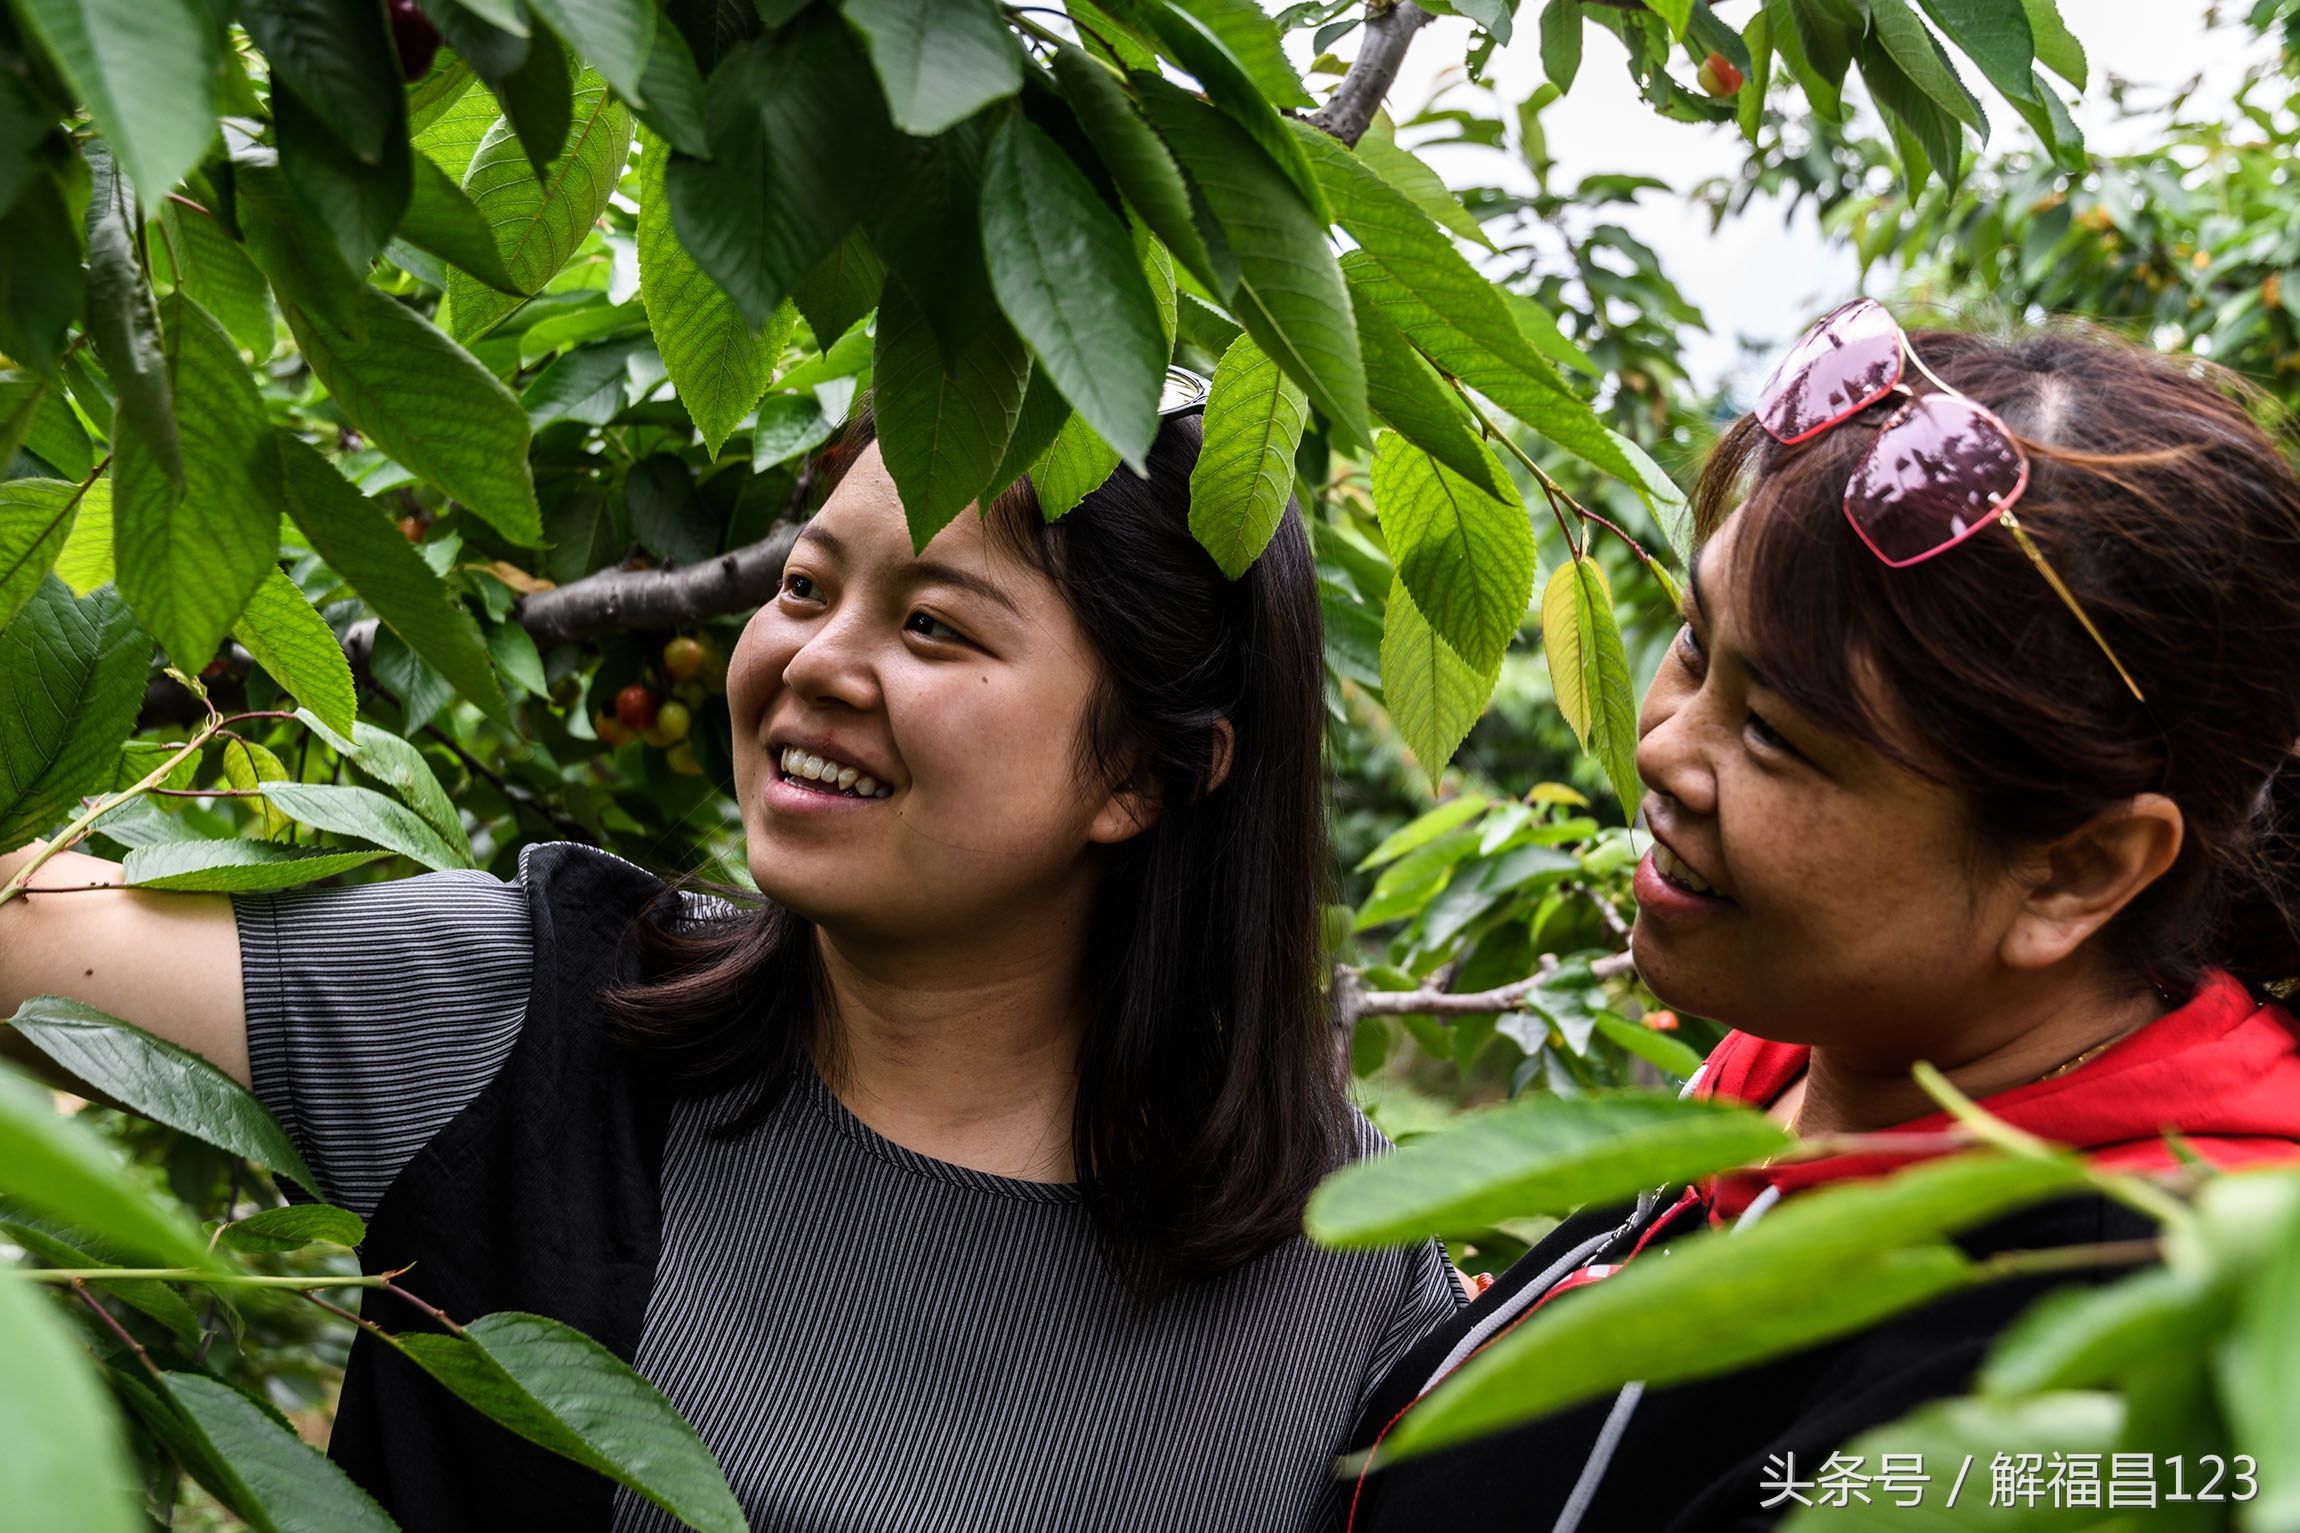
(683, 658)
(1718, 76)
(609, 728)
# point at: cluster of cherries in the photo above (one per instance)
(694, 669)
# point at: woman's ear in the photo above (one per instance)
(2077, 885)
(1225, 750)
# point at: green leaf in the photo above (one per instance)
(1982, 1433)
(293, 642)
(1252, 38)
(1065, 272)
(47, 1240)
(1409, 396)
(1230, 86)
(72, 673)
(517, 658)
(1405, 171)
(943, 427)
(453, 137)
(1994, 36)
(1749, 102)
(1561, 42)
(616, 36)
(303, 271)
(1678, 13)
(399, 766)
(841, 288)
(215, 273)
(236, 867)
(1817, 50)
(1289, 296)
(2078, 1338)
(1432, 695)
(1821, 1265)
(353, 203)
(2057, 48)
(369, 816)
(1141, 166)
(1424, 828)
(294, 1227)
(537, 97)
(188, 563)
(35, 415)
(1073, 467)
(537, 223)
(60, 1168)
(563, 1391)
(1897, 29)
(36, 516)
(442, 220)
(125, 325)
(788, 425)
(1589, 672)
(940, 61)
(674, 94)
(335, 55)
(1659, 1050)
(276, 1480)
(247, 767)
(1925, 135)
(1465, 554)
(718, 364)
(143, 67)
(2258, 1367)
(357, 539)
(42, 283)
(162, 1081)
(1245, 470)
(62, 1454)
(799, 138)
(1535, 1155)
(430, 405)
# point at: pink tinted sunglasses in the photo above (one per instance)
(1940, 468)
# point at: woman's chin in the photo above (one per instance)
(1678, 979)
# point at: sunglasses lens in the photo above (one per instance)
(1939, 470)
(1844, 364)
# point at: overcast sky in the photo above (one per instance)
(1755, 277)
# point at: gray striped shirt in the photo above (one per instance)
(871, 1341)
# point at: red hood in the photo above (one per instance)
(2222, 1070)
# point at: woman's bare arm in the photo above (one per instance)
(170, 963)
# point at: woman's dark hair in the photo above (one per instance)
(2175, 518)
(1210, 1095)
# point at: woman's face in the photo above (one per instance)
(954, 686)
(1844, 911)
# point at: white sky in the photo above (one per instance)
(1755, 278)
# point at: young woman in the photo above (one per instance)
(955, 1185)
(1976, 748)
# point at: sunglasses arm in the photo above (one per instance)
(2068, 597)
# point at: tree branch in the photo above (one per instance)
(610, 600)
(1390, 28)
(1352, 1000)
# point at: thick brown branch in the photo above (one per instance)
(1390, 28)
(612, 600)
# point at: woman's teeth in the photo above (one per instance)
(835, 775)
(1670, 866)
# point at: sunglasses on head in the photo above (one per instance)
(1941, 467)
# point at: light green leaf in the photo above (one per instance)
(442, 220)
(1424, 828)
(85, 561)
(2078, 1338)
(1561, 42)
(1289, 296)
(453, 137)
(1409, 396)
(1139, 162)
(940, 61)
(47, 1240)
(143, 67)
(293, 1227)
(275, 1479)
(357, 539)
(57, 1167)
(63, 1457)
(1589, 672)
(538, 223)
(162, 1081)
(615, 35)
(1201, 49)
(1678, 13)
(787, 426)
(399, 766)
(2057, 48)
(430, 405)
(1432, 695)
(1072, 468)
(1065, 272)
(563, 1391)
(235, 867)
(943, 426)
(1659, 1050)
(71, 677)
(215, 273)
(1380, 152)
(36, 516)
(1245, 471)
(369, 816)
(247, 767)
(718, 364)
(1535, 1155)
(293, 642)
(1465, 554)
(2258, 1367)
(1912, 46)
(1252, 39)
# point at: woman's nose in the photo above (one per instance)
(1672, 751)
(832, 663)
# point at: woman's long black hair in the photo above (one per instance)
(1210, 1094)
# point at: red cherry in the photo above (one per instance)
(1718, 76)
(636, 707)
(414, 35)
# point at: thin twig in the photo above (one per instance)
(1433, 1001)
(2107, 1253)
(517, 796)
(432, 1310)
(118, 1329)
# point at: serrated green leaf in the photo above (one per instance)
(841, 288)
(537, 223)
(369, 816)
(2057, 48)
(72, 676)
(1994, 36)
(453, 137)
(1141, 166)
(1409, 397)
(1065, 273)
(247, 767)
(430, 405)
(1535, 1155)
(1231, 87)
(1897, 29)
(293, 1227)
(517, 659)
(399, 766)
(276, 1480)
(62, 1454)
(1379, 151)
(58, 1245)
(1561, 42)
(939, 61)
(788, 425)
(1289, 296)
(1432, 695)
(143, 69)
(215, 273)
(716, 361)
(36, 516)
(125, 325)
(1073, 467)
(188, 563)
(442, 220)
(357, 539)
(57, 1167)
(236, 867)
(160, 1080)
(616, 36)
(1245, 470)
(1465, 554)
(943, 426)
(560, 1389)
(1589, 673)
(293, 642)
(336, 56)
(1251, 36)
(1925, 135)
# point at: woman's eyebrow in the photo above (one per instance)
(933, 572)
(1693, 584)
